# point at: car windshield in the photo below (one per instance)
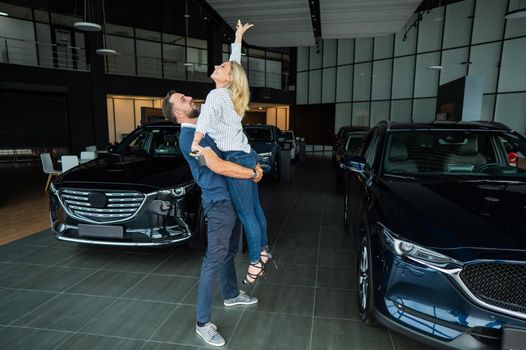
(288, 135)
(258, 134)
(457, 153)
(151, 141)
(353, 141)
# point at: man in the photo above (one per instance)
(223, 225)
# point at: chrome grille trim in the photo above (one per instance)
(121, 206)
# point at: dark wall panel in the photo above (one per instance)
(255, 118)
(314, 122)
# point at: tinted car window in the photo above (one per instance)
(370, 151)
(151, 141)
(353, 142)
(288, 135)
(454, 153)
(259, 134)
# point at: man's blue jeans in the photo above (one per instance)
(223, 243)
(245, 196)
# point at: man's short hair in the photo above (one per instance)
(167, 106)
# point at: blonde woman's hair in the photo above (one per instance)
(239, 89)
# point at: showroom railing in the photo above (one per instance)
(38, 54)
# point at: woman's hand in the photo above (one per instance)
(241, 29)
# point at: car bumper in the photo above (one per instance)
(428, 305)
(151, 226)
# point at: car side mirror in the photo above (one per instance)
(356, 164)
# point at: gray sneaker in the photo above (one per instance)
(241, 299)
(210, 334)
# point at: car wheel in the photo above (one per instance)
(365, 285)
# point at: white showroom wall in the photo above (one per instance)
(388, 77)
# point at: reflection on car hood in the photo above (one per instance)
(132, 172)
(448, 215)
(262, 147)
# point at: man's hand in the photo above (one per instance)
(259, 172)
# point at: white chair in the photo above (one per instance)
(87, 156)
(91, 148)
(69, 162)
(47, 166)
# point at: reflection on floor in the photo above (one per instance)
(56, 295)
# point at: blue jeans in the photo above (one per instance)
(245, 196)
(223, 244)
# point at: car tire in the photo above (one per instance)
(365, 281)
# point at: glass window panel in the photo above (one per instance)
(511, 109)
(489, 20)
(360, 114)
(147, 34)
(342, 115)
(315, 86)
(364, 49)
(344, 84)
(458, 26)
(173, 61)
(424, 109)
(64, 20)
(16, 11)
(41, 16)
(197, 43)
(256, 53)
(175, 39)
(226, 47)
(362, 81)
(488, 106)
(515, 27)
(383, 46)
(345, 51)
(426, 81)
(303, 58)
(149, 59)
(256, 73)
(329, 80)
(124, 63)
(401, 110)
(513, 67)
(406, 44)
(276, 56)
(403, 73)
(382, 79)
(452, 64)
(21, 51)
(379, 112)
(329, 52)
(484, 61)
(273, 74)
(302, 88)
(45, 49)
(430, 30)
(79, 54)
(198, 71)
(315, 58)
(285, 58)
(119, 30)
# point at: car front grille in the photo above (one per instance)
(100, 206)
(498, 284)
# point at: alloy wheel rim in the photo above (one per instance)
(363, 278)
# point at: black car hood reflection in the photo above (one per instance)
(129, 171)
(262, 147)
(449, 215)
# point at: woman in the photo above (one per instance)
(221, 117)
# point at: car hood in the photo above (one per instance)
(262, 147)
(128, 172)
(451, 215)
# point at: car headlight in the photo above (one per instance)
(176, 191)
(396, 245)
(265, 156)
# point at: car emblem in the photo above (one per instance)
(97, 199)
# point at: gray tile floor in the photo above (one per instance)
(56, 295)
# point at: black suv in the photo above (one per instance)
(266, 140)
(140, 194)
(439, 215)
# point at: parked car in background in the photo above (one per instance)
(265, 140)
(141, 194)
(439, 216)
(294, 149)
(352, 142)
(339, 139)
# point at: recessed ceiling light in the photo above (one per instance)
(434, 67)
(260, 108)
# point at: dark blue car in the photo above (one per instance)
(439, 216)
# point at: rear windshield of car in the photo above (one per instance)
(151, 141)
(259, 134)
(477, 153)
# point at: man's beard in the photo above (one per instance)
(194, 113)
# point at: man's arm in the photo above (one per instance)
(226, 168)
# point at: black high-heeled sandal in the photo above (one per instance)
(269, 256)
(261, 266)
